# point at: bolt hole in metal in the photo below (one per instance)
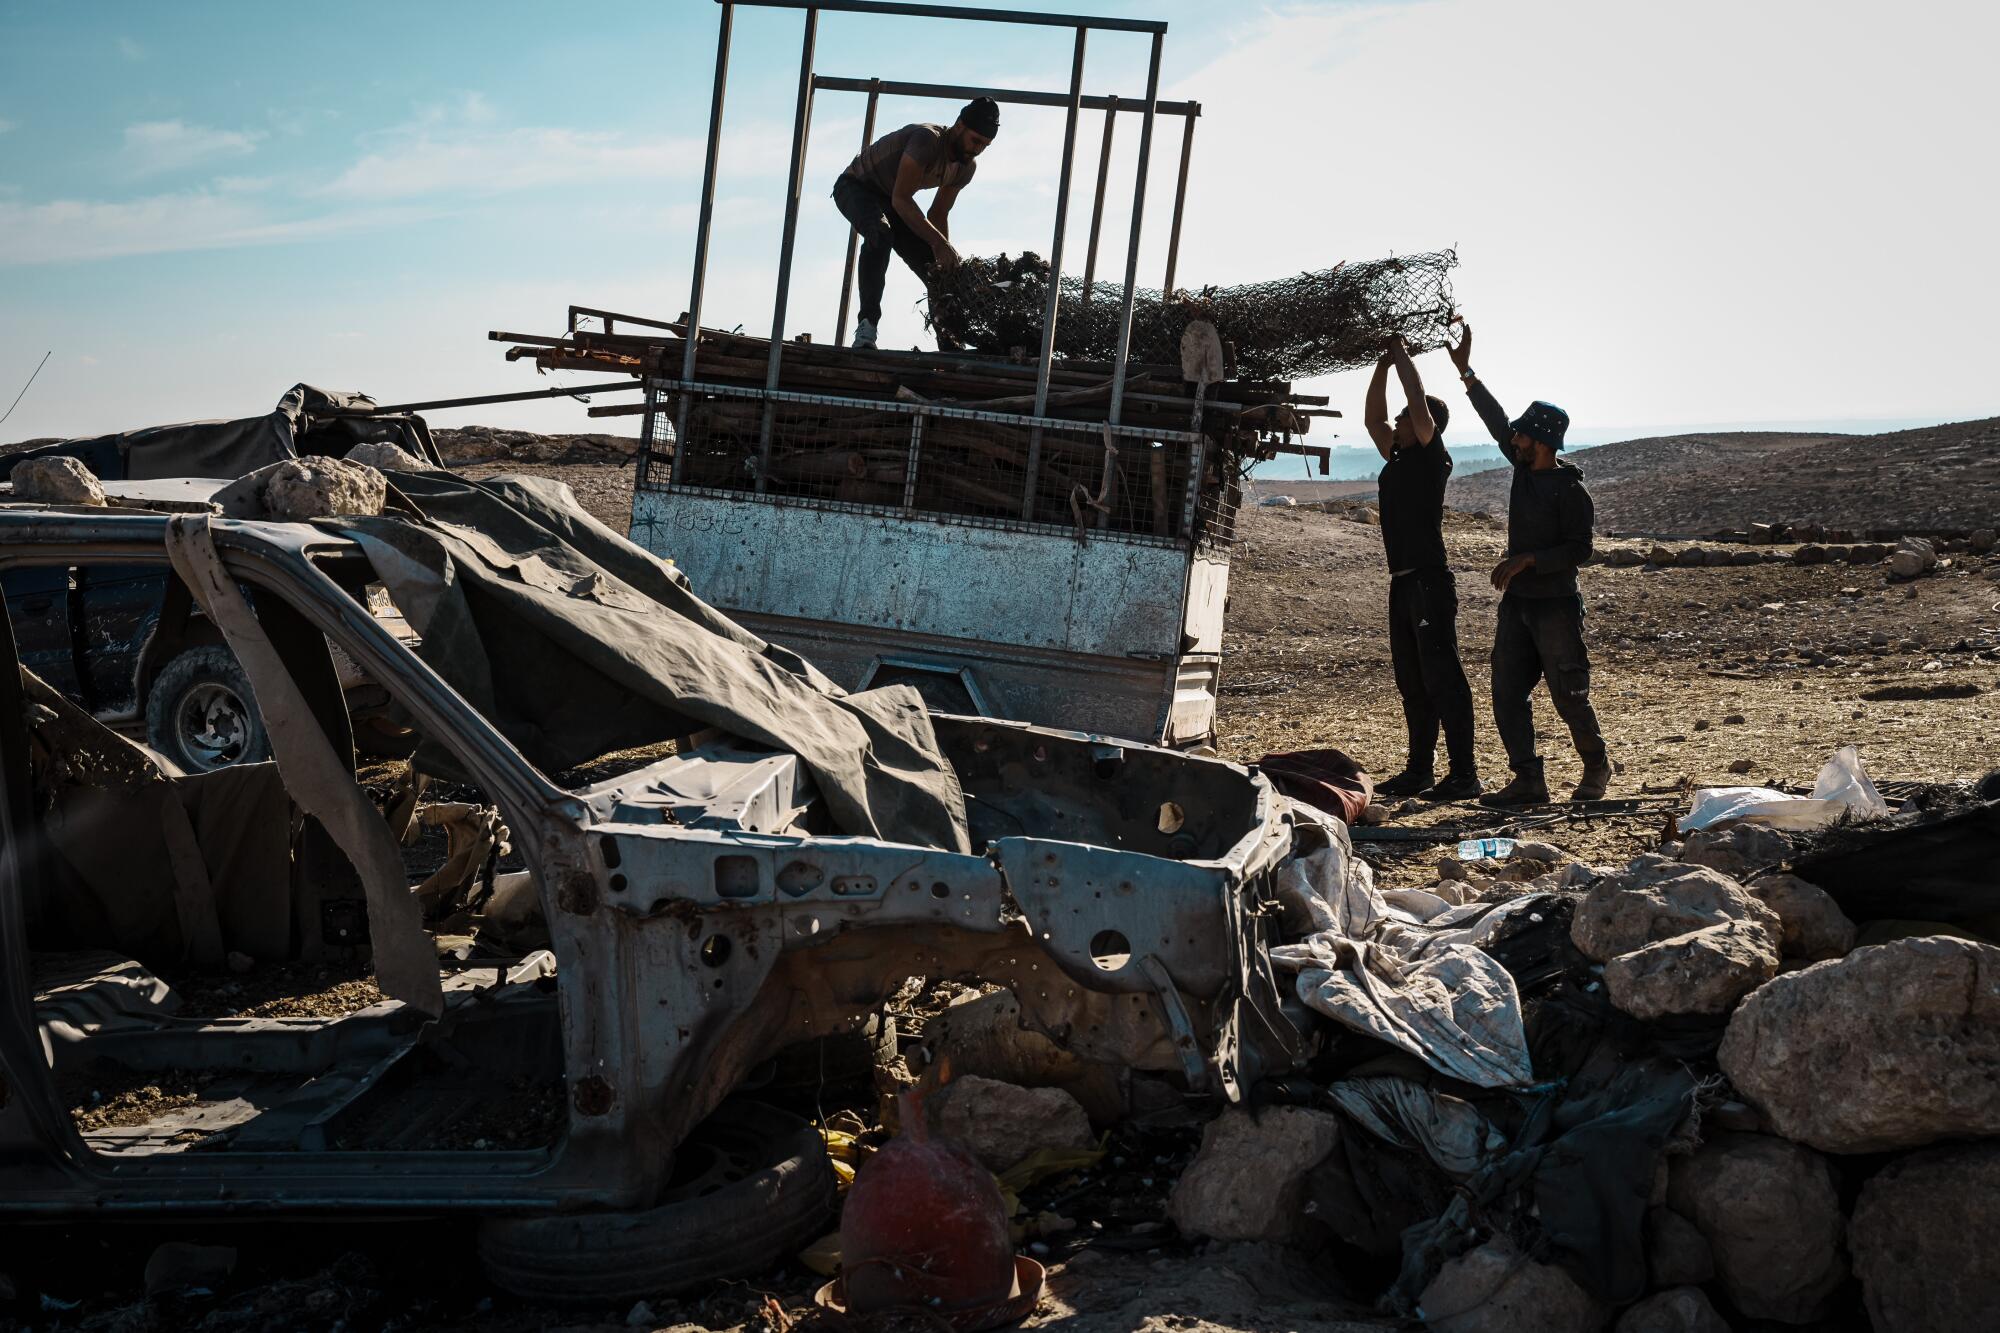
(940, 890)
(1110, 950)
(715, 950)
(213, 726)
(618, 884)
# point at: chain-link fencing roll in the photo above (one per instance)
(1288, 328)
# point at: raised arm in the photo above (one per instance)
(910, 179)
(1375, 408)
(1421, 424)
(1491, 414)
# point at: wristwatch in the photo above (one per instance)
(1467, 376)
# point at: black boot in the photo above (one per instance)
(1406, 783)
(1527, 788)
(1455, 787)
(1596, 779)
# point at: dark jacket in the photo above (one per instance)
(1549, 513)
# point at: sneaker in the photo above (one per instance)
(1525, 789)
(1596, 780)
(1405, 783)
(864, 334)
(1455, 787)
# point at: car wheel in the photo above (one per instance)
(752, 1186)
(202, 714)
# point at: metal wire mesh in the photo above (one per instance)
(928, 461)
(1288, 328)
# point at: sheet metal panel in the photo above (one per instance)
(1033, 589)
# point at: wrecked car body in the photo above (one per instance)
(702, 910)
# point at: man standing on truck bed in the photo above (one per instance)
(1423, 596)
(1540, 631)
(877, 193)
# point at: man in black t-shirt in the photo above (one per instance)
(1423, 597)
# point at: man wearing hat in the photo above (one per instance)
(1540, 630)
(877, 193)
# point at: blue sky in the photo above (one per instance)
(1716, 213)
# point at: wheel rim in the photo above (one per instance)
(212, 726)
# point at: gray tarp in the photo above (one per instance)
(306, 421)
(575, 643)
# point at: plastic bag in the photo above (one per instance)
(1842, 787)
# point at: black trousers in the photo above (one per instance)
(1541, 638)
(1423, 648)
(882, 231)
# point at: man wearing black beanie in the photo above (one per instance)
(877, 193)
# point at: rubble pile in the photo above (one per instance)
(1743, 1104)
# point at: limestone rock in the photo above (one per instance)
(1002, 1123)
(56, 481)
(1922, 1236)
(1248, 1180)
(1912, 557)
(303, 488)
(1983, 540)
(1497, 1289)
(1546, 852)
(1677, 1254)
(1736, 852)
(1814, 926)
(1620, 915)
(1810, 554)
(1893, 1046)
(1676, 1310)
(383, 456)
(1705, 971)
(983, 1035)
(1660, 555)
(1771, 1214)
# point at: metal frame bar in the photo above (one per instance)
(1138, 220)
(1020, 96)
(874, 87)
(1029, 18)
(707, 216)
(801, 132)
(1180, 200)
(925, 409)
(1045, 364)
(1097, 205)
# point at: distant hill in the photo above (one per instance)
(1350, 462)
(1935, 477)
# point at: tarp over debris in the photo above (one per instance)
(306, 421)
(576, 643)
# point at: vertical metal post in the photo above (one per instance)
(1180, 195)
(1051, 307)
(1132, 265)
(916, 454)
(854, 237)
(1138, 218)
(1097, 206)
(801, 122)
(702, 228)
